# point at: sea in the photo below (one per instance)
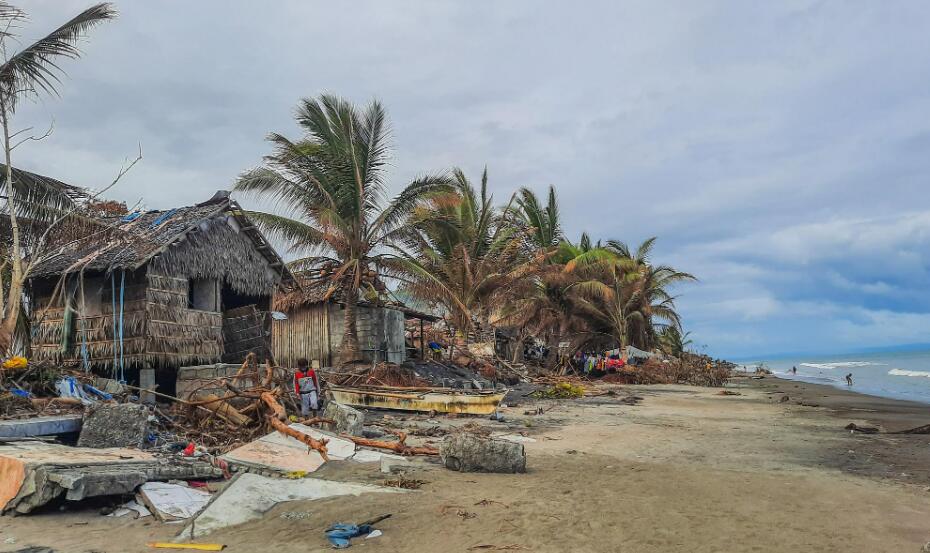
(900, 375)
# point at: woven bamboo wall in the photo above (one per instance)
(178, 336)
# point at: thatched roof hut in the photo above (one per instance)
(314, 327)
(158, 290)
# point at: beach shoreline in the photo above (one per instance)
(687, 469)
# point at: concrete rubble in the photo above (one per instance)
(34, 473)
(40, 426)
(348, 420)
(114, 425)
(468, 452)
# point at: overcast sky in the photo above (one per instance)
(779, 150)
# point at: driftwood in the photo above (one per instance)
(226, 411)
(398, 447)
(925, 429)
(318, 445)
(273, 404)
(317, 420)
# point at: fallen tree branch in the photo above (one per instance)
(318, 445)
(398, 447)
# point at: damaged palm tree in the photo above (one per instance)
(332, 180)
(26, 74)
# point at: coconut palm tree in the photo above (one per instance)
(28, 73)
(331, 183)
(652, 284)
(462, 253)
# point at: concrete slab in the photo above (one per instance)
(250, 496)
(276, 452)
(40, 426)
(34, 473)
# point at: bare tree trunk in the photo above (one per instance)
(350, 348)
(11, 316)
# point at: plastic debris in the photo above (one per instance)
(341, 534)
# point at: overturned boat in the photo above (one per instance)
(439, 400)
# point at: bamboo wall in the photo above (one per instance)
(315, 332)
(178, 336)
(305, 333)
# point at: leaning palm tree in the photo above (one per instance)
(331, 185)
(24, 74)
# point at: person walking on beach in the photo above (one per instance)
(849, 379)
(307, 387)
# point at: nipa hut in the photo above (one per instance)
(314, 328)
(158, 290)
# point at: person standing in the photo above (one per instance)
(849, 379)
(307, 387)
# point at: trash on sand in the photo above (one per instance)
(173, 501)
(249, 496)
(189, 546)
(728, 393)
(458, 510)
(131, 506)
(341, 534)
(374, 534)
(404, 483)
(295, 515)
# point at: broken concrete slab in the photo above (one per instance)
(114, 425)
(467, 452)
(250, 496)
(40, 426)
(276, 453)
(34, 473)
(173, 501)
(348, 420)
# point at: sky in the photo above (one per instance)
(778, 150)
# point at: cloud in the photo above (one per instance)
(778, 150)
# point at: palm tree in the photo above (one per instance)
(673, 342)
(654, 303)
(23, 74)
(461, 253)
(331, 182)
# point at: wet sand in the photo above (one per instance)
(686, 470)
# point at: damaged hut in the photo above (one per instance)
(314, 328)
(157, 290)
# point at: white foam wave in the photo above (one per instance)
(839, 365)
(905, 372)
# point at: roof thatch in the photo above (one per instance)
(208, 230)
(311, 292)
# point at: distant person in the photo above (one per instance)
(849, 379)
(307, 387)
(794, 370)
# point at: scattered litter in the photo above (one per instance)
(295, 515)
(486, 502)
(173, 501)
(728, 393)
(374, 534)
(341, 534)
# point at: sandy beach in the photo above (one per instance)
(687, 469)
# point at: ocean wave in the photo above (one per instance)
(839, 365)
(905, 372)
